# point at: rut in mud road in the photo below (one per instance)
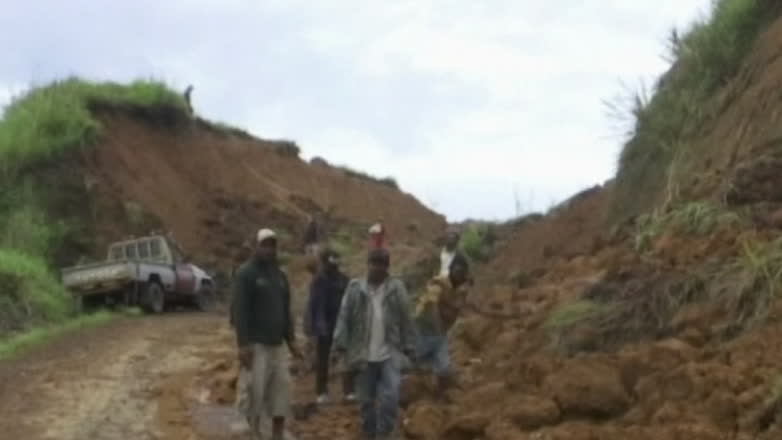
(101, 383)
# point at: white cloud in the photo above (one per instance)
(461, 101)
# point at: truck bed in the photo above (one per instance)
(99, 277)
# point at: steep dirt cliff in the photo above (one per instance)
(211, 189)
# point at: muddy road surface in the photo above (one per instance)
(103, 383)
(154, 377)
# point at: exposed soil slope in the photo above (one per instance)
(212, 190)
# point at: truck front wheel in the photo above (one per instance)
(153, 299)
(206, 300)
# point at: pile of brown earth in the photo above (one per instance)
(616, 345)
(665, 327)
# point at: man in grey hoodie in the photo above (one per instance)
(375, 331)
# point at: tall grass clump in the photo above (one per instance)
(477, 241)
(29, 292)
(25, 225)
(49, 120)
(704, 58)
(692, 218)
(751, 283)
(14, 345)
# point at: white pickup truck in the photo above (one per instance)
(149, 272)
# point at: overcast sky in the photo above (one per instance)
(465, 102)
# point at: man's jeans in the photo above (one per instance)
(378, 392)
(432, 352)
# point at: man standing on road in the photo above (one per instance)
(313, 236)
(374, 331)
(326, 293)
(435, 312)
(263, 324)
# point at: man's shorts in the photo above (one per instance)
(243, 391)
(265, 389)
(432, 352)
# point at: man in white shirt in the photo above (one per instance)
(449, 251)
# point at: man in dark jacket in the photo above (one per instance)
(326, 293)
(263, 324)
(313, 235)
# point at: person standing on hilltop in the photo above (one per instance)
(377, 235)
(326, 293)
(374, 332)
(263, 325)
(188, 103)
(435, 311)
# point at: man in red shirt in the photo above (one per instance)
(377, 235)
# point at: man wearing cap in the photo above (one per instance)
(374, 332)
(263, 324)
(377, 235)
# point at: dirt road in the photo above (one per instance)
(101, 383)
(142, 378)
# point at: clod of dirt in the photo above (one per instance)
(425, 421)
(586, 388)
(532, 412)
(467, 426)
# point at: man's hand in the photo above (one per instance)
(295, 352)
(246, 356)
(337, 354)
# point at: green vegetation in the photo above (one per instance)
(477, 241)
(774, 400)
(751, 283)
(704, 59)
(387, 181)
(29, 292)
(568, 315)
(52, 119)
(344, 242)
(694, 218)
(735, 294)
(287, 148)
(17, 344)
(575, 326)
(27, 229)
